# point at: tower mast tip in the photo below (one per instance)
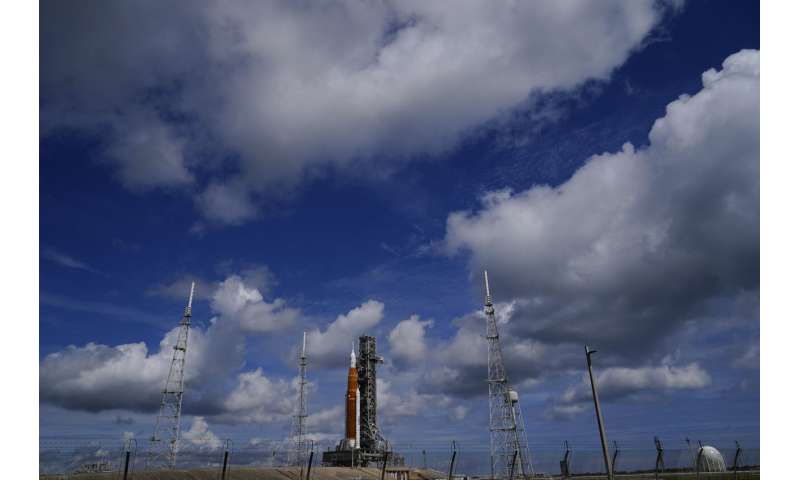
(486, 282)
(191, 295)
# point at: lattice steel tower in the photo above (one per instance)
(298, 424)
(166, 437)
(509, 442)
(372, 442)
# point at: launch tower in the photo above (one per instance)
(363, 443)
(167, 433)
(371, 439)
(509, 442)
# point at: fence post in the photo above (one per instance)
(385, 458)
(614, 459)
(736, 461)
(564, 464)
(127, 462)
(452, 463)
(310, 460)
(224, 465)
(659, 456)
(224, 472)
(697, 462)
(130, 446)
(513, 465)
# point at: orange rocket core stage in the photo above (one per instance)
(351, 405)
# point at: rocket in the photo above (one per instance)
(352, 405)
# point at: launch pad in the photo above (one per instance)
(363, 444)
(346, 457)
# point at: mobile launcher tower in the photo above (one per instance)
(363, 443)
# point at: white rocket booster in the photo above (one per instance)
(358, 418)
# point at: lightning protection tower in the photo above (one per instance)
(298, 424)
(167, 433)
(509, 442)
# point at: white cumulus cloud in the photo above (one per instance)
(147, 153)
(407, 340)
(637, 242)
(295, 90)
(200, 437)
(331, 347)
(100, 377)
(97, 377)
(244, 304)
(617, 382)
(258, 399)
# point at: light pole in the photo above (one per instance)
(599, 414)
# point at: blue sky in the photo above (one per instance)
(306, 165)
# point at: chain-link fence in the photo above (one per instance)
(551, 462)
(106, 456)
(64, 459)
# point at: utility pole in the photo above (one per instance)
(599, 414)
(166, 437)
(508, 439)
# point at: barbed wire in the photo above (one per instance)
(60, 456)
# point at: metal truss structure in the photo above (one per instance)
(508, 440)
(164, 443)
(371, 439)
(299, 420)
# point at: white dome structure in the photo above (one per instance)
(709, 459)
